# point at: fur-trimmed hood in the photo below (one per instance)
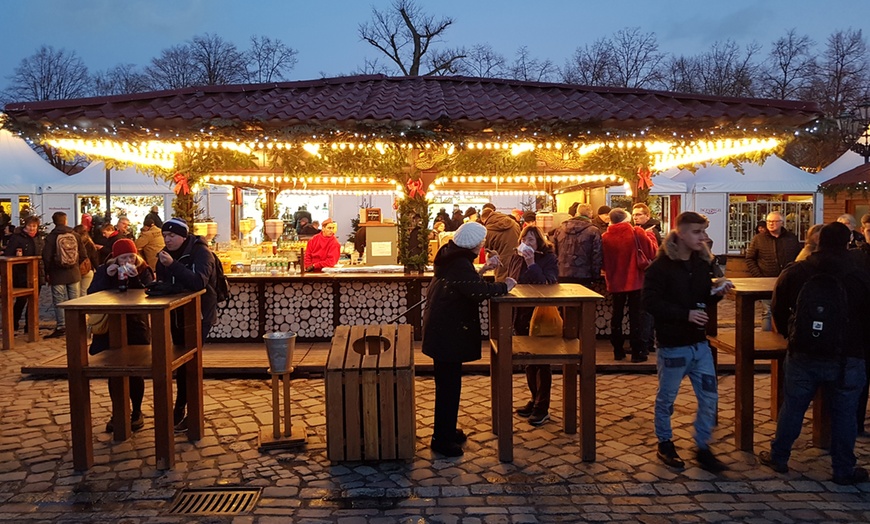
(669, 249)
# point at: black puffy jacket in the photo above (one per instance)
(451, 323)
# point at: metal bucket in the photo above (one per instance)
(279, 347)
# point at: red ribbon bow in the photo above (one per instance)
(644, 178)
(415, 187)
(181, 185)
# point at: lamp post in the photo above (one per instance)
(855, 127)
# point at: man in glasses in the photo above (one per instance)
(769, 253)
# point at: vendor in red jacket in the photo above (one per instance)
(323, 249)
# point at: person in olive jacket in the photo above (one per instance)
(26, 239)
(451, 326)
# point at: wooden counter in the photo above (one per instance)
(314, 304)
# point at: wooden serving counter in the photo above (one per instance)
(314, 304)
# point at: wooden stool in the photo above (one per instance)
(290, 436)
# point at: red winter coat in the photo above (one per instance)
(620, 256)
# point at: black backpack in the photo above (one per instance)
(222, 285)
(819, 323)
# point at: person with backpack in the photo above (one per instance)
(821, 305)
(188, 263)
(62, 255)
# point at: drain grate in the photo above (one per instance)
(215, 501)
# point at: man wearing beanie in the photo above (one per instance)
(810, 362)
(603, 219)
(137, 275)
(189, 263)
(451, 326)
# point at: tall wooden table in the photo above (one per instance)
(746, 292)
(579, 329)
(10, 293)
(156, 361)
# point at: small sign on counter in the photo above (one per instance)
(381, 249)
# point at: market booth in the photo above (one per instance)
(412, 142)
(844, 187)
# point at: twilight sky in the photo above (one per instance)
(324, 32)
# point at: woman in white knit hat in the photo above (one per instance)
(451, 326)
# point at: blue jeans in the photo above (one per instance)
(673, 364)
(62, 293)
(842, 383)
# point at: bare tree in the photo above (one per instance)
(174, 68)
(219, 61)
(405, 35)
(369, 67)
(634, 59)
(841, 78)
(49, 74)
(525, 67)
(121, 79)
(590, 64)
(725, 70)
(788, 71)
(482, 61)
(680, 75)
(269, 60)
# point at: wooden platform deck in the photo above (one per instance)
(309, 360)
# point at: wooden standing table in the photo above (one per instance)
(10, 293)
(578, 336)
(156, 361)
(747, 349)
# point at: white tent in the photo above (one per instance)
(23, 172)
(710, 187)
(92, 181)
(849, 160)
(774, 176)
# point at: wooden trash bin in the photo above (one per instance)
(370, 411)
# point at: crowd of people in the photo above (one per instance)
(666, 281)
(95, 256)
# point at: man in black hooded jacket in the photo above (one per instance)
(188, 263)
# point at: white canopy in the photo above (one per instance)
(92, 181)
(22, 170)
(849, 160)
(774, 176)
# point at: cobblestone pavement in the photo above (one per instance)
(547, 482)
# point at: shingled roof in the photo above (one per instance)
(431, 102)
(857, 178)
